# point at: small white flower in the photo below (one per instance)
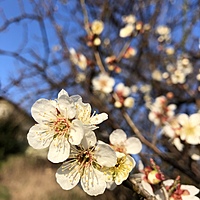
(126, 31)
(169, 50)
(120, 172)
(121, 143)
(163, 32)
(190, 130)
(122, 89)
(97, 27)
(84, 165)
(157, 75)
(129, 102)
(56, 128)
(103, 83)
(97, 41)
(178, 77)
(161, 112)
(184, 65)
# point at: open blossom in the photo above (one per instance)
(120, 142)
(190, 128)
(56, 126)
(117, 174)
(181, 192)
(83, 113)
(103, 83)
(178, 77)
(84, 165)
(125, 163)
(161, 112)
(97, 27)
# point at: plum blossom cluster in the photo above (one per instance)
(179, 71)
(176, 73)
(66, 126)
(180, 128)
(153, 181)
(160, 111)
(96, 28)
(163, 33)
(183, 129)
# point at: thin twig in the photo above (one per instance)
(87, 28)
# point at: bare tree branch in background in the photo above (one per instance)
(45, 65)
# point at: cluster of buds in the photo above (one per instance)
(96, 28)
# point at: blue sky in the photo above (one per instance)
(7, 41)
(13, 38)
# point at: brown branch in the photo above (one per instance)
(163, 156)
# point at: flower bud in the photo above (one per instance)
(154, 177)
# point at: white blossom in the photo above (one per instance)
(84, 165)
(190, 128)
(56, 126)
(97, 27)
(103, 82)
(117, 174)
(121, 143)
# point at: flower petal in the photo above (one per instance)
(195, 119)
(93, 181)
(39, 136)
(66, 107)
(133, 145)
(76, 132)
(168, 182)
(43, 110)
(192, 189)
(183, 119)
(98, 118)
(89, 139)
(62, 92)
(59, 149)
(147, 187)
(67, 179)
(83, 111)
(105, 155)
(189, 198)
(118, 136)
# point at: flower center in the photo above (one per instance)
(120, 148)
(189, 130)
(61, 126)
(85, 158)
